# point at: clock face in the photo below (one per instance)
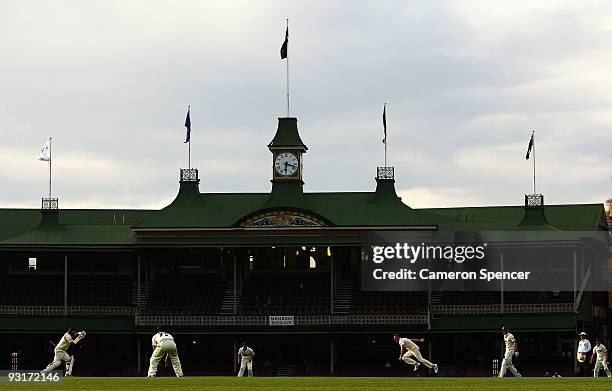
(286, 164)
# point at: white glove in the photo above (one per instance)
(516, 354)
(82, 334)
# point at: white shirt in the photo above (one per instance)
(408, 344)
(161, 336)
(601, 351)
(246, 354)
(64, 343)
(584, 346)
(510, 342)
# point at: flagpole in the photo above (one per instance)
(385, 111)
(189, 146)
(384, 122)
(534, 163)
(288, 72)
(50, 159)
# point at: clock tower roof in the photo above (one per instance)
(287, 135)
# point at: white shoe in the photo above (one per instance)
(435, 368)
(416, 366)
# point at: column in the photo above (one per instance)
(65, 284)
(139, 279)
(331, 284)
(235, 287)
(331, 355)
(501, 257)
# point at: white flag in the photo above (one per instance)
(45, 154)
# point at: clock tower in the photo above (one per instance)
(287, 158)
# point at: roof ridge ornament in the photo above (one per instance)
(534, 211)
(189, 175)
(385, 172)
(534, 200)
(50, 204)
(49, 214)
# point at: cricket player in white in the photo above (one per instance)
(72, 337)
(511, 350)
(245, 359)
(163, 345)
(408, 349)
(601, 353)
(584, 349)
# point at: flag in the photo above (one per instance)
(385, 124)
(188, 126)
(45, 152)
(529, 147)
(283, 51)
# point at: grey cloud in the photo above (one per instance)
(465, 83)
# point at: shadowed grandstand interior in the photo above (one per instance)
(32, 290)
(461, 298)
(286, 293)
(393, 303)
(82, 290)
(295, 280)
(185, 294)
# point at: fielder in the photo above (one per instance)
(163, 345)
(409, 348)
(511, 350)
(601, 353)
(245, 359)
(72, 337)
(584, 349)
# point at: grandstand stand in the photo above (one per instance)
(32, 290)
(104, 290)
(292, 293)
(186, 294)
(391, 303)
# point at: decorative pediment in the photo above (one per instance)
(282, 219)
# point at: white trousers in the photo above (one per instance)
(59, 357)
(417, 354)
(248, 365)
(506, 364)
(598, 365)
(165, 347)
(70, 366)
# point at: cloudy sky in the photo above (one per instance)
(465, 82)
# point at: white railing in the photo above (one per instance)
(58, 310)
(305, 320)
(478, 309)
(301, 320)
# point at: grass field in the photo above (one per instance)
(322, 383)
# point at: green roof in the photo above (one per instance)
(580, 219)
(75, 226)
(227, 211)
(287, 135)
(192, 209)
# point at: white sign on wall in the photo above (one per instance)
(282, 321)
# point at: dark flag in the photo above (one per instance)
(385, 123)
(188, 126)
(283, 51)
(529, 147)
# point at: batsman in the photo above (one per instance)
(60, 354)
